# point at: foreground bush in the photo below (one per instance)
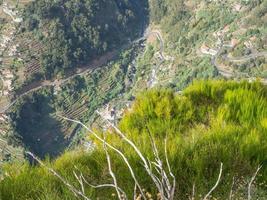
(211, 122)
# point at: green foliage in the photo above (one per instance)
(74, 32)
(35, 127)
(209, 123)
(34, 120)
(187, 25)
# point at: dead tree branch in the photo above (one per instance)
(231, 191)
(113, 148)
(216, 184)
(121, 196)
(172, 191)
(162, 182)
(251, 181)
(193, 192)
(75, 191)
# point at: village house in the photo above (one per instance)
(206, 50)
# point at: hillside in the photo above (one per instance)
(211, 122)
(48, 51)
(84, 59)
(47, 56)
(75, 32)
(206, 39)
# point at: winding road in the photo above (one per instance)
(247, 57)
(229, 73)
(153, 79)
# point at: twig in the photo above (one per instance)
(135, 193)
(101, 185)
(251, 181)
(231, 191)
(169, 168)
(71, 187)
(79, 179)
(193, 192)
(216, 184)
(113, 148)
(146, 166)
(164, 183)
(112, 173)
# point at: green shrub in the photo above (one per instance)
(209, 123)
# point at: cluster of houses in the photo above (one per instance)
(10, 29)
(6, 39)
(10, 10)
(219, 34)
(112, 114)
(6, 76)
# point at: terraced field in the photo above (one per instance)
(165, 56)
(9, 60)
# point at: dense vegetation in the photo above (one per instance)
(188, 24)
(75, 32)
(33, 117)
(209, 123)
(35, 127)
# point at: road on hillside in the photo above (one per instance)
(229, 73)
(100, 61)
(247, 57)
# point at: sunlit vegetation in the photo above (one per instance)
(209, 123)
(187, 25)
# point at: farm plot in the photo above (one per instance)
(8, 151)
(30, 50)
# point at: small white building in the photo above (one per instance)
(206, 50)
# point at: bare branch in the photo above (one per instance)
(164, 183)
(231, 191)
(135, 193)
(79, 179)
(71, 187)
(145, 162)
(251, 181)
(156, 180)
(112, 173)
(101, 185)
(169, 168)
(193, 192)
(111, 147)
(216, 184)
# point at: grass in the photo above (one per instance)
(211, 122)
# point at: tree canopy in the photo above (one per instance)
(76, 31)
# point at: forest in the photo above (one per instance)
(75, 32)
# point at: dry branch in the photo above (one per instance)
(111, 147)
(75, 191)
(216, 184)
(120, 195)
(162, 182)
(251, 181)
